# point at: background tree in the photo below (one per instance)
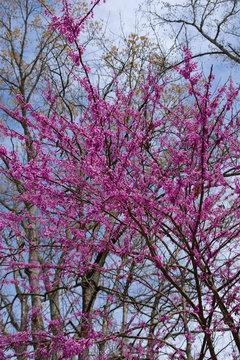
(211, 23)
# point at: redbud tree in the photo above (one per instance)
(120, 229)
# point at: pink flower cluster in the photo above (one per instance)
(124, 208)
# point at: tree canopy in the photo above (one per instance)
(119, 214)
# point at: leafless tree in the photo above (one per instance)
(193, 21)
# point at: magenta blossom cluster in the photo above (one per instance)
(120, 238)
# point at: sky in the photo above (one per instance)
(115, 11)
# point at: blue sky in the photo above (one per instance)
(110, 13)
